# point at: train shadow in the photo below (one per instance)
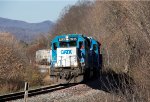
(112, 82)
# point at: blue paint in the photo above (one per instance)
(66, 51)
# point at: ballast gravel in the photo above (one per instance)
(78, 93)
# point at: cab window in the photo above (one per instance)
(72, 44)
(81, 45)
(87, 45)
(94, 47)
(63, 44)
(55, 46)
(68, 44)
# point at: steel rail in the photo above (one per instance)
(34, 92)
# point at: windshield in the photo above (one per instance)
(63, 44)
(68, 44)
(72, 44)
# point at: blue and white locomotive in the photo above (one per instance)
(74, 56)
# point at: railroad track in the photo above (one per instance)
(34, 92)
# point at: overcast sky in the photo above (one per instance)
(33, 10)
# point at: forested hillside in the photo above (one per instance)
(15, 66)
(122, 28)
(25, 31)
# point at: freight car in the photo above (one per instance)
(43, 57)
(74, 56)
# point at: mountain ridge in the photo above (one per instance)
(23, 30)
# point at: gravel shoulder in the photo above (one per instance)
(78, 93)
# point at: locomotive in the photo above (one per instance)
(74, 56)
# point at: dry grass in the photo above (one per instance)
(14, 66)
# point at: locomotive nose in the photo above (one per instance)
(67, 57)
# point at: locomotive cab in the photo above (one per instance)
(68, 56)
(67, 51)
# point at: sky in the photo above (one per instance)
(33, 11)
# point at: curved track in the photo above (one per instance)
(33, 92)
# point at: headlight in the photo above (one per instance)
(75, 64)
(56, 65)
